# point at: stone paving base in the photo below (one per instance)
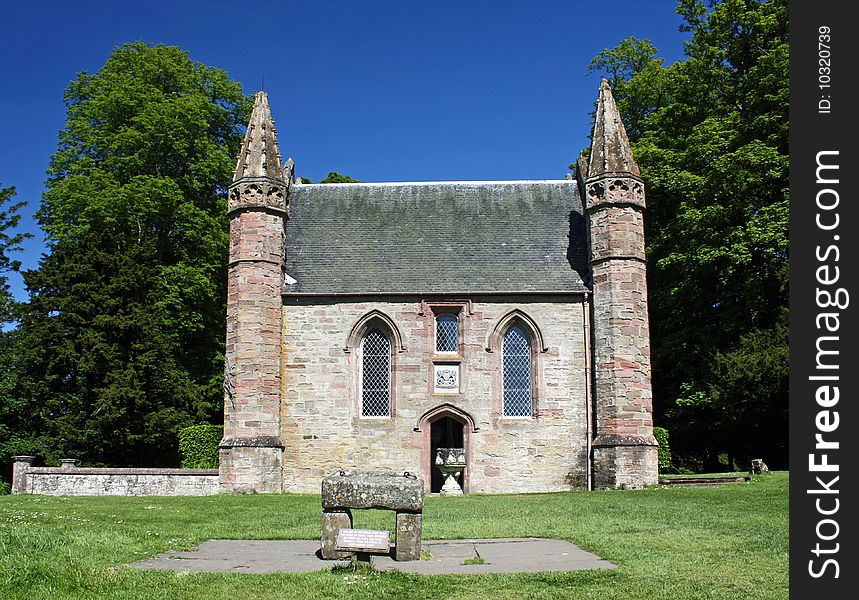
(502, 555)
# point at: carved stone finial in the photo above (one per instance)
(289, 170)
(611, 176)
(259, 156)
(260, 180)
(610, 149)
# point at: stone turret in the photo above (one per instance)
(251, 452)
(624, 449)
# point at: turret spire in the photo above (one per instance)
(610, 150)
(624, 449)
(251, 452)
(259, 156)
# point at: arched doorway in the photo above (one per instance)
(444, 426)
(445, 432)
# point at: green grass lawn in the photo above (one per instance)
(720, 542)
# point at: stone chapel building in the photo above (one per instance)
(370, 323)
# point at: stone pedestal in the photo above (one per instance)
(20, 465)
(451, 486)
(409, 527)
(332, 523)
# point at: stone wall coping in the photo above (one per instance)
(117, 471)
(257, 441)
(615, 439)
(369, 293)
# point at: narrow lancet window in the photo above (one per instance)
(517, 373)
(375, 374)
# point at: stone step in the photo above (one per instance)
(703, 481)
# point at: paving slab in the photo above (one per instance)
(245, 556)
(500, 555)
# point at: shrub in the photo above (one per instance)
(661, 436)
(198, 445)
(5, 488)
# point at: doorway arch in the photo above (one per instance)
(442, 425)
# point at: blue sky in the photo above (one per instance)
(378, 90)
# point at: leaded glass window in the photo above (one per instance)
(445, 333)
(375, 374)
(517, 373)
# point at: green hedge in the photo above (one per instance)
(661, 436)
(198, 445)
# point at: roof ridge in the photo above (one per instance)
(450, 182)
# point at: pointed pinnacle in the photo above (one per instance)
(610, 150)
(259, 156)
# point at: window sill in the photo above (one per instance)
(446, 358)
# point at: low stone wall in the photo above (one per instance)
(69, 480)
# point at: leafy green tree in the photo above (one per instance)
(121, 342)
(10, 241)
(639, 83)
(14, 434)
(710, 136)
(334, 177)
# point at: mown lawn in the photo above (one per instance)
(722, 542)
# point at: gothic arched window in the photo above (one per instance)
(516, 352)
(375, 373)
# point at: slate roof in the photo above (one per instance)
(436, 238)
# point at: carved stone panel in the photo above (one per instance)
(627, 190)
(446, 377)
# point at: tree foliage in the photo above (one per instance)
(334, 177)
(13, 426)
(121, 342)
(198, 445)
(661, 435)
(10, 241)
(710, 136)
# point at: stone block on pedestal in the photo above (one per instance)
(408, 544)
(332, 523)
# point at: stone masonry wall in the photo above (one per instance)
(253, 324)
(250, 452)
(624, 446)
(73, 481)
(625, 466)
(622, 354)
(322, 429)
